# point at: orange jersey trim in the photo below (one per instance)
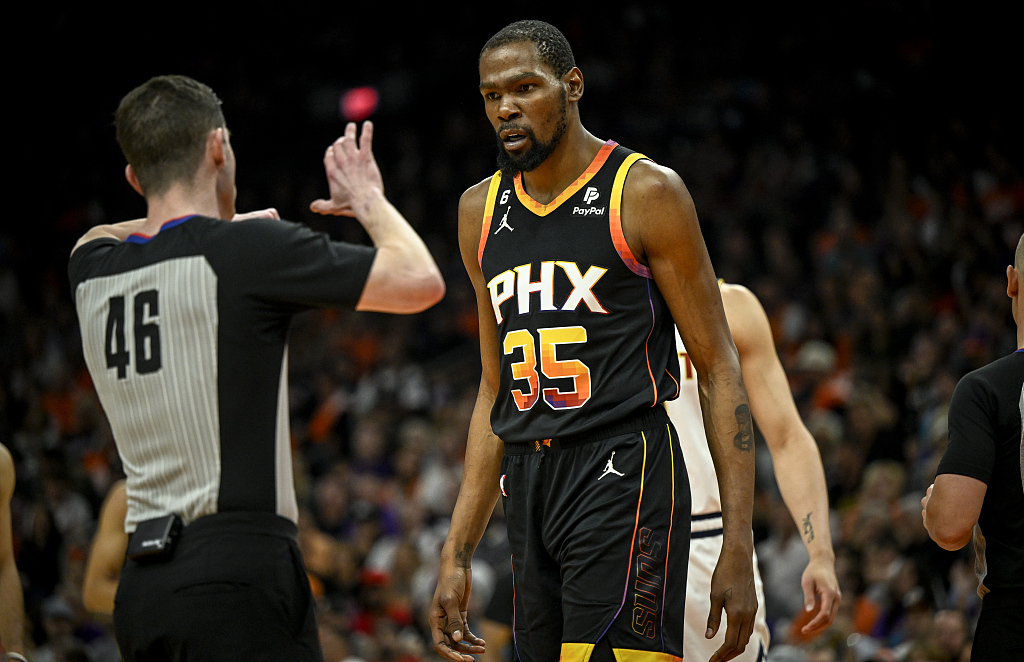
(543, 210)
(485, 230)
(615, 219)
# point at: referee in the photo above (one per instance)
(184, 319)
(978, 491)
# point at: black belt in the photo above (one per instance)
(644, 419)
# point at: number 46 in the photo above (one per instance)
(146, 333)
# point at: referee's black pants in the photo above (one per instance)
(235, 589)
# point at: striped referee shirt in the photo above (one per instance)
(185, 337)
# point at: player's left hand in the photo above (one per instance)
(269, 212)
(732, 589)
(821, 590)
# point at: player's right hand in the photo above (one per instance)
(449, 626)
(732, 588)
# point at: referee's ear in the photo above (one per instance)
(133, 181)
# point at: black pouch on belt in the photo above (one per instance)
(153, 539)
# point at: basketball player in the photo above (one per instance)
(797, 464)
(184, 319)
(582, 255)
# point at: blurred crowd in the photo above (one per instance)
(873, 221)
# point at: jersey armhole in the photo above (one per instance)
(485, 230)
(615, 219)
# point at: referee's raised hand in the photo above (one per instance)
(353, 177)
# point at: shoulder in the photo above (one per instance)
(991, 377)
(739, 299)
(471, 211)
(657, 211)
(87, 257)
(648, 181)
(475, 197)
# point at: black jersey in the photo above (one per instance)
(184, 334)
(985, 443)
(586, 337)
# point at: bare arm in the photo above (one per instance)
(12, 616)
(118, 231)
(795, 456)
(950, 509)
(659, 219)
(404, 277)
(107, 553)
(479, 490)
(121, 231)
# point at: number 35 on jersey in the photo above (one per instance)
(545, 342)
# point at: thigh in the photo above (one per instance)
(537, 591)
(622, 536)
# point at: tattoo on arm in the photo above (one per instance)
(808, 528)
(744, 439)
(464, 555)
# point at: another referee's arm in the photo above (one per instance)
(951, 508)
(404, 277)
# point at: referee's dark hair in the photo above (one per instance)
(552, 46)
(162, 126)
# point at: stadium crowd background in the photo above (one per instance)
(857, 167)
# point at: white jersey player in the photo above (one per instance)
(798, 471)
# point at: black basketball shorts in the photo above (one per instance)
(599, 527)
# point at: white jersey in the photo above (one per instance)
(705, 499)
(705, 527)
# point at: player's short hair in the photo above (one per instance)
(162, 126)
(1018, 261)
(552, 46)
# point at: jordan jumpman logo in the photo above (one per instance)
(609, 469)
(504, 223)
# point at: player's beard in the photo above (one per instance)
(538, 151)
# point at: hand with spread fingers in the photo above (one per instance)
(353, 177)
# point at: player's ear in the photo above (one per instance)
(573, 84)
(133, 180)
(1012, 282)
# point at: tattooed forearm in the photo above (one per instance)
(808, 528)
(464, 556)
(744, 439)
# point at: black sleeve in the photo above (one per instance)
(288, 263)
(972, 431)
(82, 261)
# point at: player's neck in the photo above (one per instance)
(178, 201)
(569, 160)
